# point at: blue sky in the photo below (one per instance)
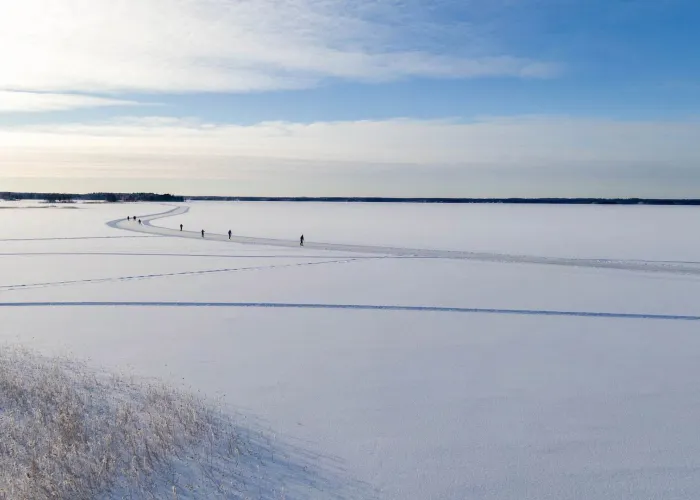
(333, 97)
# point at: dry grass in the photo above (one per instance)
(72, 433)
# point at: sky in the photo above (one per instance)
(471, 98)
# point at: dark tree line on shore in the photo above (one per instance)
(108, 197)
(119, 197)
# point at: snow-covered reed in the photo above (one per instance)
(70, 432)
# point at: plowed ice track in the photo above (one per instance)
(626, 265)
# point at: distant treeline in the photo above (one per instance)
(117, 197)
(108, 197)
(543, 201)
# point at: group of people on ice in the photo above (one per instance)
(129, 218)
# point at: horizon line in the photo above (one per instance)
(134, 196)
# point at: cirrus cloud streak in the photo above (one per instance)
(172, 46)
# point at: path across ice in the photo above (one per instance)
(626, 265)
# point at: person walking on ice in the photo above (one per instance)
(139, 221)
(202, 233)
(128, 217)
(301, 241)
(229, 234)
(180, 227)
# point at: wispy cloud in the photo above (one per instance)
(232, 45)
(35, 102)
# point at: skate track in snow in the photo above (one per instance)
(626, 265)
(361, 307)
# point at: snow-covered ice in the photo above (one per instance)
(588, 231)
(516, 399)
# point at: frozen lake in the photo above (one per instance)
(565, 369)
(588, 231)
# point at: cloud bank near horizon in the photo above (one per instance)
(540, 155)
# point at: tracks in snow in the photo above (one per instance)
(625, 265)
(73, 238)
(198, 255)
(87, 281)
(361, 307)
(380, 252)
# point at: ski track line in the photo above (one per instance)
(624, 265)
(74, 238)
(364, 307)
(223, 256)
(7, 288)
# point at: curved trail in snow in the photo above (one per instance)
(625, 265)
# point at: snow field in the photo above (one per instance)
(584, 231)
(396, 404)
(423, 406)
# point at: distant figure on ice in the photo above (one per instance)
(202, 233)
(180, 227)
(139, 221)
(301, 241)
(229, 234)
(128, 217)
